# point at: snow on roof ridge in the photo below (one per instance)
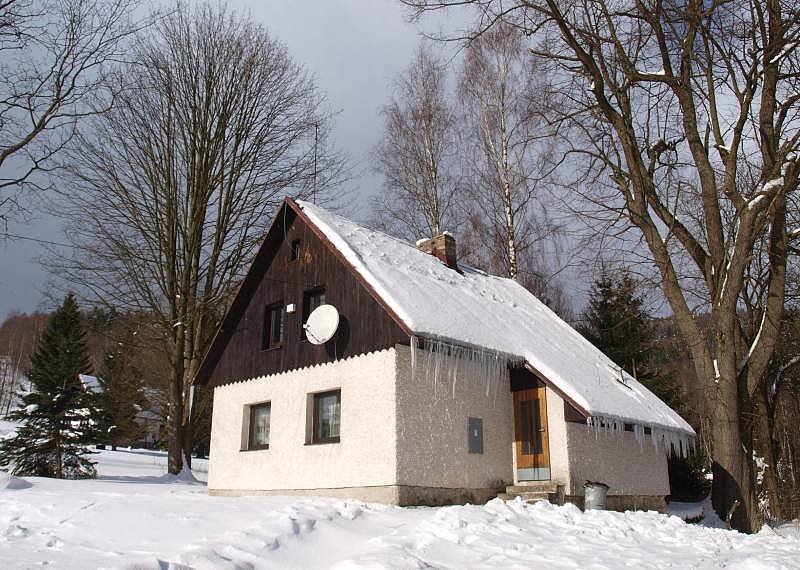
(346, 250)
(497, 313)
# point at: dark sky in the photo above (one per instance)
(354, 47)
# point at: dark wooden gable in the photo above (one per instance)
(278, 275)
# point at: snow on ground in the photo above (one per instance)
(7, 428)
(693, 512)
(135, 517)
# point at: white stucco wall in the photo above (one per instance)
(617, 460)
(402, 430)
(365, 456)
(432, 438)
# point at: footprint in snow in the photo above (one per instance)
(16, 531)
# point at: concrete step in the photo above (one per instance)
(538, 487)
(531, 497)
(534, 491)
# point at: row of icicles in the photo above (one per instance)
(441, 362)
(445, 364)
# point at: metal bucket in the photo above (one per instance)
(594, 495)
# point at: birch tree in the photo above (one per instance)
(507, 147)
(418, 154)
(54, 56)
(668, 106)
(170, 191)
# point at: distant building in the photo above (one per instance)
(152, 420)
(151, 417)
(91, 383)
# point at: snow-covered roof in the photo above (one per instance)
(90, 383)
(474, 308)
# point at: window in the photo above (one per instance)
(272, 335)
(475, 437)
(327, 417)
(312, 299)
(294, 254)
(647, 430)
(258, 429)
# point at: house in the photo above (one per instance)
(151, 419)
(441, 384)
(90, 384)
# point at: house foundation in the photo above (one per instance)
(400, 495)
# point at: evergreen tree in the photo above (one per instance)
(618, 323)
(58, 416)
(122, 398)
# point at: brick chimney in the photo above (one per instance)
(443, 247)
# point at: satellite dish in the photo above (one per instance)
(322, 324)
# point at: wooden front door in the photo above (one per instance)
(531, 439)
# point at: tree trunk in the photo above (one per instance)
(731, 473)
(175, 463)
(59, 461)
(175, 423)
(731, 413)
(188, 442)
(763, 430)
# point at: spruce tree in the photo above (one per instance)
(617, 322)
(58, 416)
(122, 398)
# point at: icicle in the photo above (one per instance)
(428, 358)
(414, 349)
(674, 442)
(638, 433)
(453, 376)
(437, 361)
(444, 362)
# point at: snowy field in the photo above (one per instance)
(135, 517)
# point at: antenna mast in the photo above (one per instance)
(316, 143)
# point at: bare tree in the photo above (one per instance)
(10, 382)
(19, 334)
(54, 57)
(509, 149)
(170, 191)
(418, 155)
(669, 104)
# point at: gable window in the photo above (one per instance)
(272, 334)
(327, 417)
(294, 254)
(312, 299)
(258, 428)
